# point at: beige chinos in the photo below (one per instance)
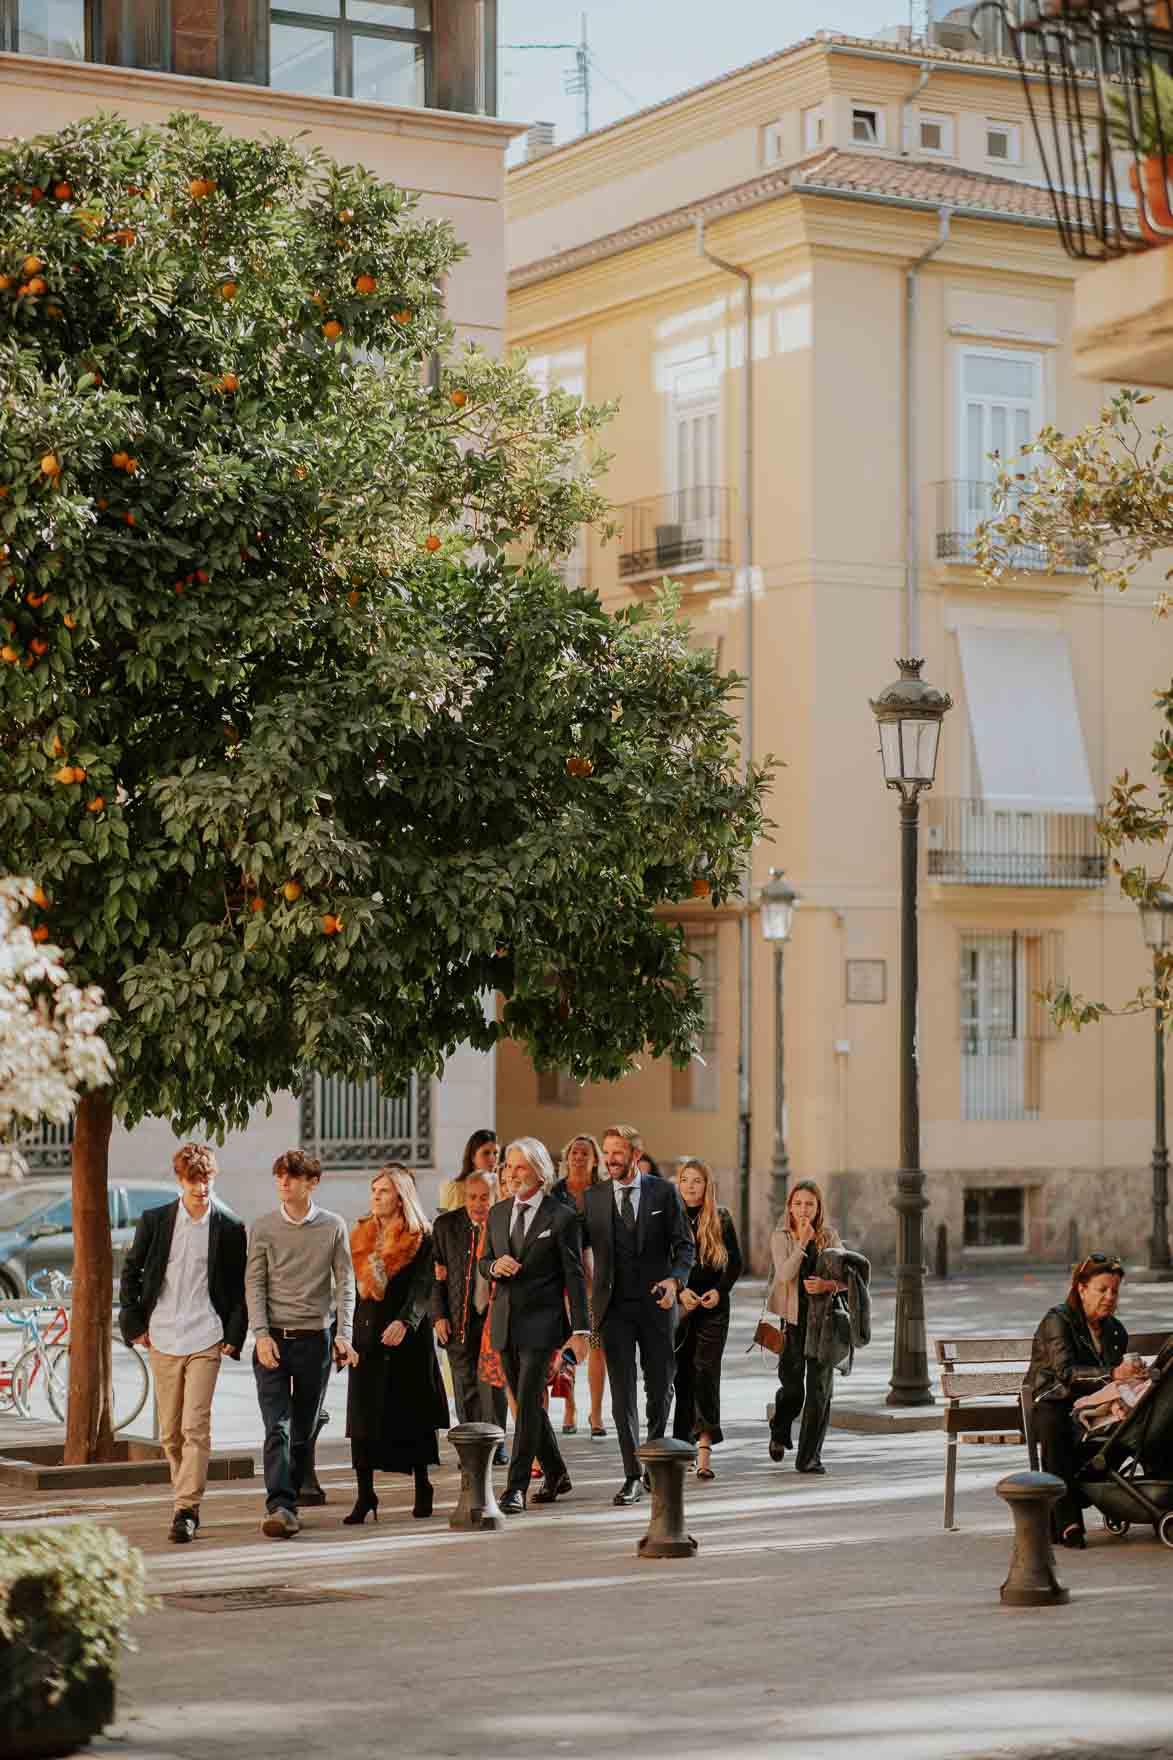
(183, 1391)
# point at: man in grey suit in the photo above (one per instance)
(643, 1251)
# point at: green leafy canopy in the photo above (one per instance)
(305, 760)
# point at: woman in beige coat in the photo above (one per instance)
(804, 1384)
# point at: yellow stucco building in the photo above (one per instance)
(911, 312)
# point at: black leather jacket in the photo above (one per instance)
(1065, 1360)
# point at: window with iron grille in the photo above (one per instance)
(995, 1216)
(375, 50)
(695, 1089)
(355, 1125)
(1004, 1022)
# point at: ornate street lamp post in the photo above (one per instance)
(778, 899)
(1156, 922)
(909, 715)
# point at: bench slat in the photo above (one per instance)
(983, 1350)
(997, 1437)
(958, 1419)
(973, 1386)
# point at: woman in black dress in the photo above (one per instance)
(396, 1401)
(703, 1326)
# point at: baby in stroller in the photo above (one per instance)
(1107, 1406)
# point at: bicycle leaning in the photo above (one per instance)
(42, 1363)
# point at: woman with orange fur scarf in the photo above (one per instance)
(396, 1400)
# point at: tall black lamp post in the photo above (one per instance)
(1156, 922)
(909, 715)
(778, 899)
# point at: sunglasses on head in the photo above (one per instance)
(1102, 1262)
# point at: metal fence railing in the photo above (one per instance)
(687, 530)
(971, 843)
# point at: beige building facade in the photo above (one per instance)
(912, 312)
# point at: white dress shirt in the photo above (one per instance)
(184, 1320)
(529, 1209)
(633, 1188)
(300, 1221)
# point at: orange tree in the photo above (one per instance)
(302, 763)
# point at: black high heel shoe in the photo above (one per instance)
(425, 1497)
(363, 1507)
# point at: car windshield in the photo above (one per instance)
(17, 1207)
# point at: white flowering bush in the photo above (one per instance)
(68, 1596)
(51, 1044)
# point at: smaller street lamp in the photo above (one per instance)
(777, 902)
(908, 715)
(1156, 925)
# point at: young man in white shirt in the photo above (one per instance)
(182, 1299)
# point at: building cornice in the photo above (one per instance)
(261, 104)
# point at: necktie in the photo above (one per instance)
(517, 1232)
(627, 1211)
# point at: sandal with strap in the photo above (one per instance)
(703, 1469)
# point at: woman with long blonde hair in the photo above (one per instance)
(804, 1384)
(704, 1322)
(581, 1167)
(396, 1401)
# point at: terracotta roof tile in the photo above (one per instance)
(853, 174)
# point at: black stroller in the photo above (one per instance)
(1113, 1477)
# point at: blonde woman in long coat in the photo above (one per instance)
(804, 1384)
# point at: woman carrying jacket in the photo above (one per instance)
(703, 1323)
(804, 1383)
(1078, 1347)
(396, 1401)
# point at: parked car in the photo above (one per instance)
(36, 1226)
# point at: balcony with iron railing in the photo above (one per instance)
(686, 533)
(971, 843)
(963, 506)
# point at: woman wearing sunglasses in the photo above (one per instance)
(1079, 1346)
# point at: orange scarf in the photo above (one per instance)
(380, 1252)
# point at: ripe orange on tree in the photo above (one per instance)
(51, 465)
(39, 898)
(68, 621)
(96, 804)
(9, 654)
(40, 933)
(32, 266)
(228, 290)
(459, 399)
(257, 905)
(38, 284)
(39, 646)
(365, 284)
(228, 382)
(332, 330)
(118, 460)
(331, 925)
(62, 191)
(292, 890)
(432, 542)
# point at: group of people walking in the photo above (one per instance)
(526, 1274)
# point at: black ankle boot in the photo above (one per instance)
(425, 1495)
(366, 1503)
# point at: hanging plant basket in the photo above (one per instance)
(66, 1598)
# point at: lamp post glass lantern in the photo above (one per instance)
(777, 903)
(908, 715)
(1156, 925)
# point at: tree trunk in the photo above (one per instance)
(89, 1432)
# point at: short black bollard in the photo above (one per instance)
(311, 1492)
(1031, 1581)
(667, 1461)
(475, 1444)
(942, 1266)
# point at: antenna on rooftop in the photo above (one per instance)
(576, 80)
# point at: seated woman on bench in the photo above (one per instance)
(1078, 1347)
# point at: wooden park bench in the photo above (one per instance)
(975, 1373)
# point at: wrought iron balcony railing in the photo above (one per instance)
(971, 843)
(1101, 116)
(963, 506)
(684, 533)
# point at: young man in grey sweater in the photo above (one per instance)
(298, 1281)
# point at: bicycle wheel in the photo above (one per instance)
(23, 1373)
(131, 1383)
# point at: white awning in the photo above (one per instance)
(1024, 716)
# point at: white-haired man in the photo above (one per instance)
(533, 1253)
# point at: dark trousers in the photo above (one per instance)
(627, 1327)
(474, 1398)
(700, 1342)
(533, 1437)
(804, 1385)
(1061, 1453)
(291, 1398)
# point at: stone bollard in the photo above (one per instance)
(942, 1265)
(1031, 1581)
(311, 1492)
(475, 1444)
(667, 1461)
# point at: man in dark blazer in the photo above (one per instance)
(533, 1253)
(460, 1301)
(182, 1299)
(643, 1250)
